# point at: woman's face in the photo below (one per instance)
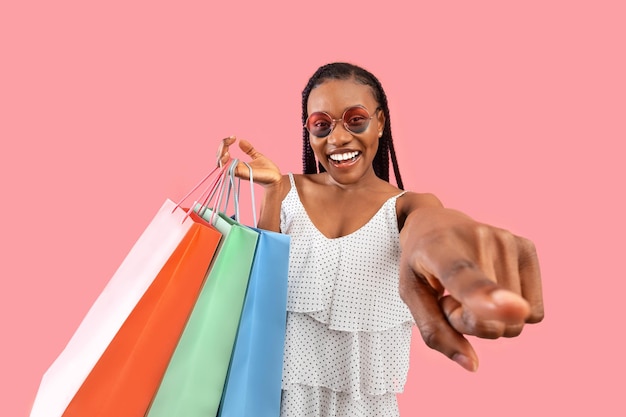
(345, 155)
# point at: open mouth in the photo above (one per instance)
(344, 158)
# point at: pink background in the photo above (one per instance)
(513, 112)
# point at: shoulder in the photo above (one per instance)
(303, 182)
(410, 201)
(307, 179)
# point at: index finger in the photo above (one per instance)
(222, 150)
(467, 283)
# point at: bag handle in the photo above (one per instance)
(237, 190)
(210, 189)
(252, 199)
(220, 193)
(213, 201)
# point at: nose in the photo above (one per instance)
(339, 136)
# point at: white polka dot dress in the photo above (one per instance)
(348, 331)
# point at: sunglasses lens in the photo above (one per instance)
(319, 124)
(356, 119)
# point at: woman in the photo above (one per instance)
(368, 259)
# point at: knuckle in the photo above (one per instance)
(504, 239)
(486, 233)
(485, 329)
(432, 335)
(404, 291)
(513, 330)
(508, 240)
(536, 315)
(527, 253)
(482, 232)
(412, 284)
(526, 246)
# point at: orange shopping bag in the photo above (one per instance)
(125, 378)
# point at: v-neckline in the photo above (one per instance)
(319, 232)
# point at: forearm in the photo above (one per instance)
(269, 218)
(414, 214)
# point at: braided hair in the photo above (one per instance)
(346, 71)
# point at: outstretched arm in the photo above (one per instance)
(461, 277)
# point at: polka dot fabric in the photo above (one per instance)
(348, 332)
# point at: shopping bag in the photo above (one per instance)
(128, 284)
(194, 379)
(253, 384)
(125, 378)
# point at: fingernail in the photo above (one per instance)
(465, 362)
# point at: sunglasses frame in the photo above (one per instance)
(333, 122)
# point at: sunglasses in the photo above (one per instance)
(355, 119)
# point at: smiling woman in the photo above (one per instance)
(368, 259)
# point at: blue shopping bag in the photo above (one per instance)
(253, 384)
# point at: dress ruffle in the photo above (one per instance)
(370, 363)
(304, 401)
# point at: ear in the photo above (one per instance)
(381, 122)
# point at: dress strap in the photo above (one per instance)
(291, 180)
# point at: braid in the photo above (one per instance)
(344, 71)
(386, 148)
(309, 165)
(308, 158)
(396, 167)
(380, 163)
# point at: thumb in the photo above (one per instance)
(248, 149)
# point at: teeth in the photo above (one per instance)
(343, 156)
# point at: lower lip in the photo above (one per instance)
(346, 164)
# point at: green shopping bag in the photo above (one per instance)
(194, 379)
